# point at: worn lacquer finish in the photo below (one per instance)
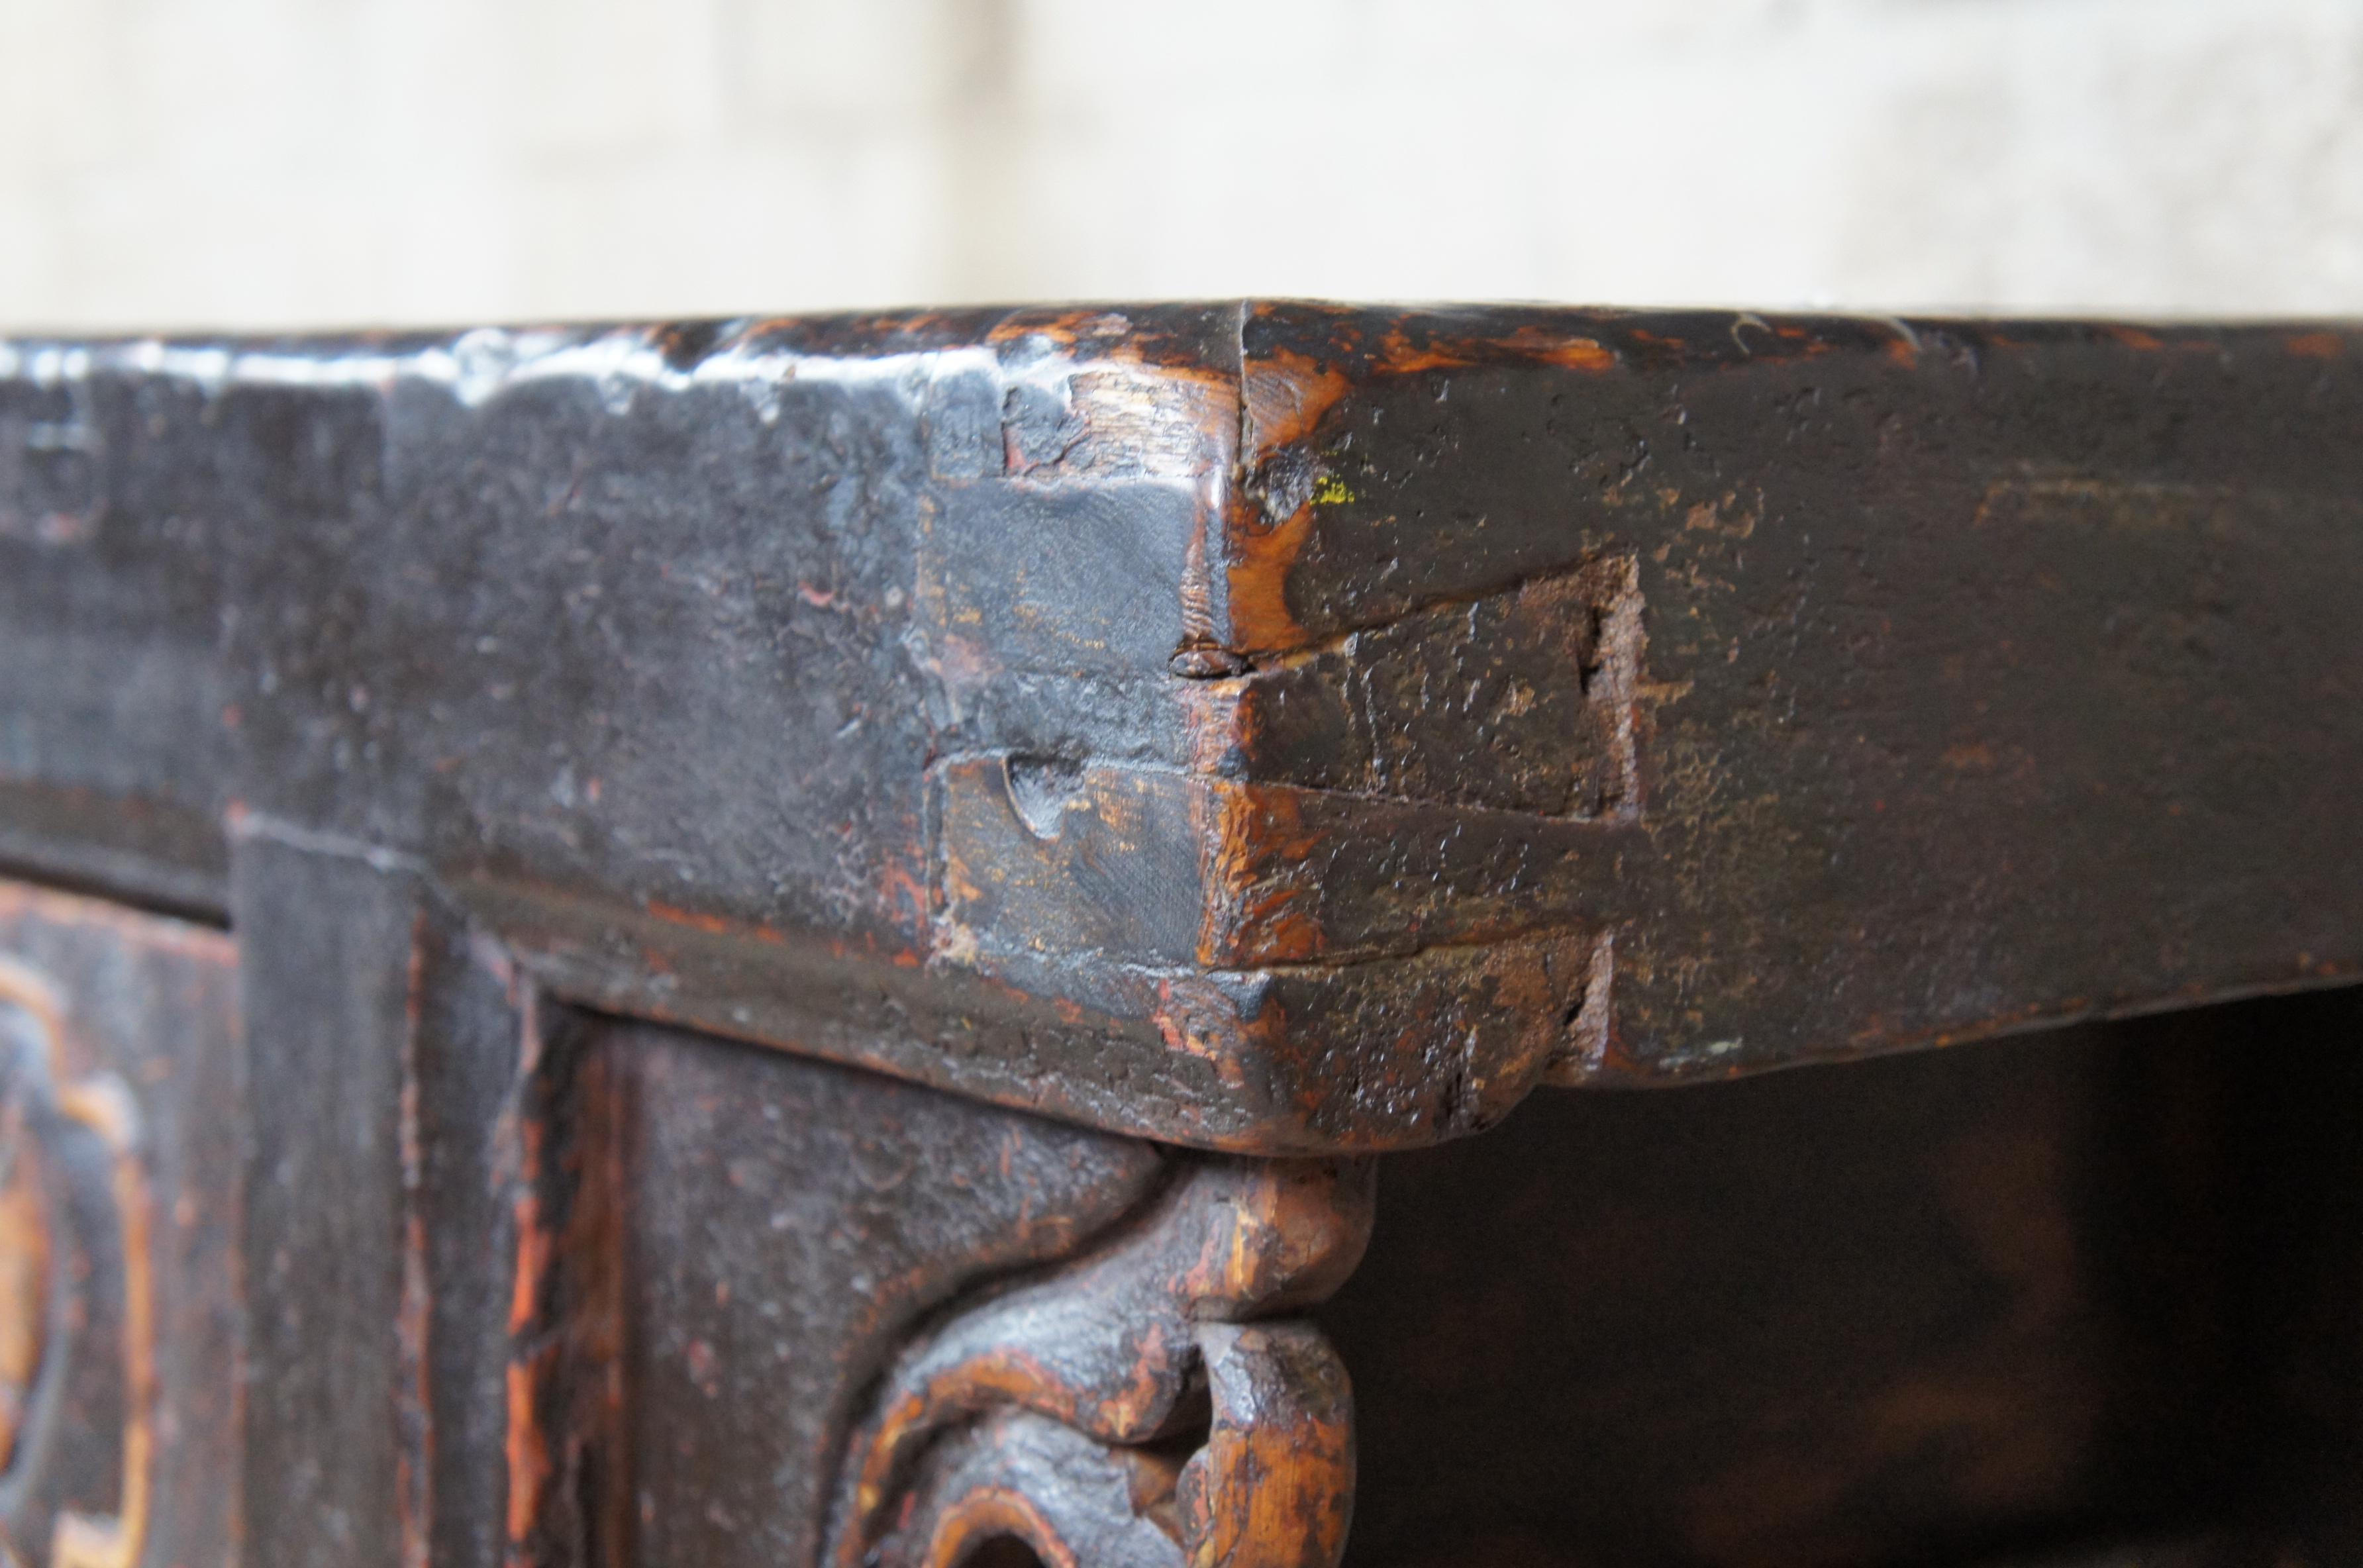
(725, 1248)
(1279, 727)
(1137, 1405)
(828, 911)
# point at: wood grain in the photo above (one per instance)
(1088, 710)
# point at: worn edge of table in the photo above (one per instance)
(1810, 686)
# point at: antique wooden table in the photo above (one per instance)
(826, 941)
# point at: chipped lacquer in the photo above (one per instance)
(808, 941)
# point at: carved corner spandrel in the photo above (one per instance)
(1149, 1404)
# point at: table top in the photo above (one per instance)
(1271, 726)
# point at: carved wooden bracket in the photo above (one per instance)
(1147, 1405)
(72, 1181)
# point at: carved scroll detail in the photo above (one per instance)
(43, 1108)
(1148, 1405)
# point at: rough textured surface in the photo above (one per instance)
(1295, 730)
(1112, 712)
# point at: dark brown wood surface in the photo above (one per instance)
(1269, 726)
(791, 942)
(787, 1226)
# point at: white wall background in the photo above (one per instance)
(268, 163)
